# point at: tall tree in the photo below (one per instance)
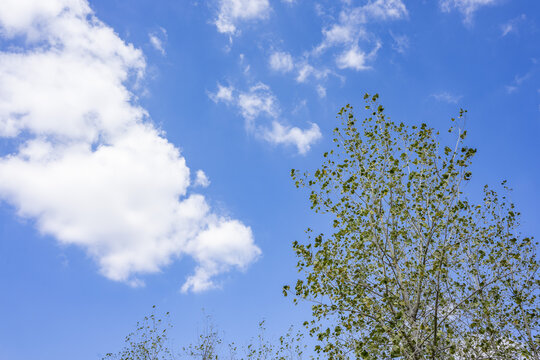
(413, 269)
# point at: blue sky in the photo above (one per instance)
(145, 147)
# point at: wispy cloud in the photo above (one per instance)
(258, 103)
(352, 28)
(447, 97)
(348, 39)
(321, 91)
(86, 166)
(466, 7)
(512, 25)
(223, 93)
(158, 39)
(306, 71)
(401, 43)
(232, 12)
(518, 81)
(281, 61)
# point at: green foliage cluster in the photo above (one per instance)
(413, 269)
(208, 343)
(150, 341)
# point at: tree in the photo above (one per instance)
(208, 343)
(413, 269)
(148, 342)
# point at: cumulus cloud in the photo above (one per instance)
(302, 139)
(220, 246)
(201, 179)
(258, 103)
(231, 12)
(281, 61)
(466, 7)
(356, 59)
(223, 93)
(91, 169)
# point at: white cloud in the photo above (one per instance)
(90, 169)
(512, 25)
(321, 91)
(507, 28)
(233, 11)
(353, 58)
(447, 97)
(305, 71)
(401, 43)
(518, 81)
(224, 93)
(339, 33)
(157, 40)
(26, 16)
(259, 102)
(201, 179)
(221, 246)
(352, 22)
(510, 89)
(281, 61)
(302, 139)
(356, 59)
(381, 10)
(466, 7)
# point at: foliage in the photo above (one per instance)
(291, 346)
(413, 269)
(148, 342)
(208, 343)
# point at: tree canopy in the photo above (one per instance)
(413, 268)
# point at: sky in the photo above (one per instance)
(146, 147)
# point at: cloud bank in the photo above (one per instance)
(90, 168)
